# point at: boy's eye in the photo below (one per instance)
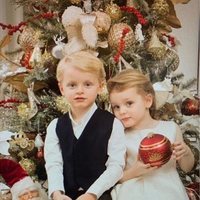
(88, 84)
(71, 85)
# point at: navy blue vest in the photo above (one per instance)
(84, 158)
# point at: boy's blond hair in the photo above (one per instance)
(132, 78)
(83, 61)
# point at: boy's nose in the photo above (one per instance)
(80, 89)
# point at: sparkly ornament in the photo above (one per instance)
(114, 11)
(40, 153)
(156, 48)
(190, 106)
(28, 38)
(62, 104)
(28, 165)
(160, 8)
(102, 22)
(172, 59)
(75, 1)
(38, 141)
(155, 149)
(115, 35)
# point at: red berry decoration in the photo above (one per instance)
(155, 149)
(190, 106)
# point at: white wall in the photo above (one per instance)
(188, 35)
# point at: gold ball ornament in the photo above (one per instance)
(28, 165)
(75, 1)
(156, 48)
(114, 11)
(102, 22)
(172, 59)
(62, 105)
(115, 35)
(28, 38)
(160, 8)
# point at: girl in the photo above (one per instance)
(133, 101)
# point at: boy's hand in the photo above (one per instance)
(180, 149)
(87, 196)
(57, 195)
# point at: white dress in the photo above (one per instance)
(162, 184)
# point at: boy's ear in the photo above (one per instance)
(148, 100)
(60, 87)
(102, 87)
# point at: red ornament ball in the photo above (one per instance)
(190, 106)
(155, 149)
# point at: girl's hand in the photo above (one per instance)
(180, 149)
(87, 196)
(140, 169)
(57, 195)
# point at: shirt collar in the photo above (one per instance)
(86, 116)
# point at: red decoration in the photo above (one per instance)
(134, 11)
(155, 149)
(121, 45)
(40, 153)
(190, 106)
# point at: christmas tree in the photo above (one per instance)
(123, 34)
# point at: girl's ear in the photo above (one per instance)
(148, 100)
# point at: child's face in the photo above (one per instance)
(130, 107)
(79, 88)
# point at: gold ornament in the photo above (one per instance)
(75, 1)
(115, 35)
(102, 22)
(28, 165)
(172, 59)
(62, 104)
(160, 8)
(156, 48)
(23, 143)
(23, 111)
(28, 38)
(31, 145)
(113, 10)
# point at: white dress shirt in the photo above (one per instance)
(114, 164)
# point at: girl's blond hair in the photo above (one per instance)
(83, 61)
(132, 78)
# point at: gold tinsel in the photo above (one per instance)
(115, 34)
(113, 10)
(62, 104)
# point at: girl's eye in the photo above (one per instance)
(115, 107)
(129, 103)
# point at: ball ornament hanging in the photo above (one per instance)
(28, 38)
(114, 11)
(155, 149)
(116, 33)
(190, 106)
(102, 22)
(160, 8)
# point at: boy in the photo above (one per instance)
(85, 148)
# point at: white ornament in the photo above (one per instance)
(138, 33)
(58, 50)
(38, 141)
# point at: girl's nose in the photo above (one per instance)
(122, 110)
